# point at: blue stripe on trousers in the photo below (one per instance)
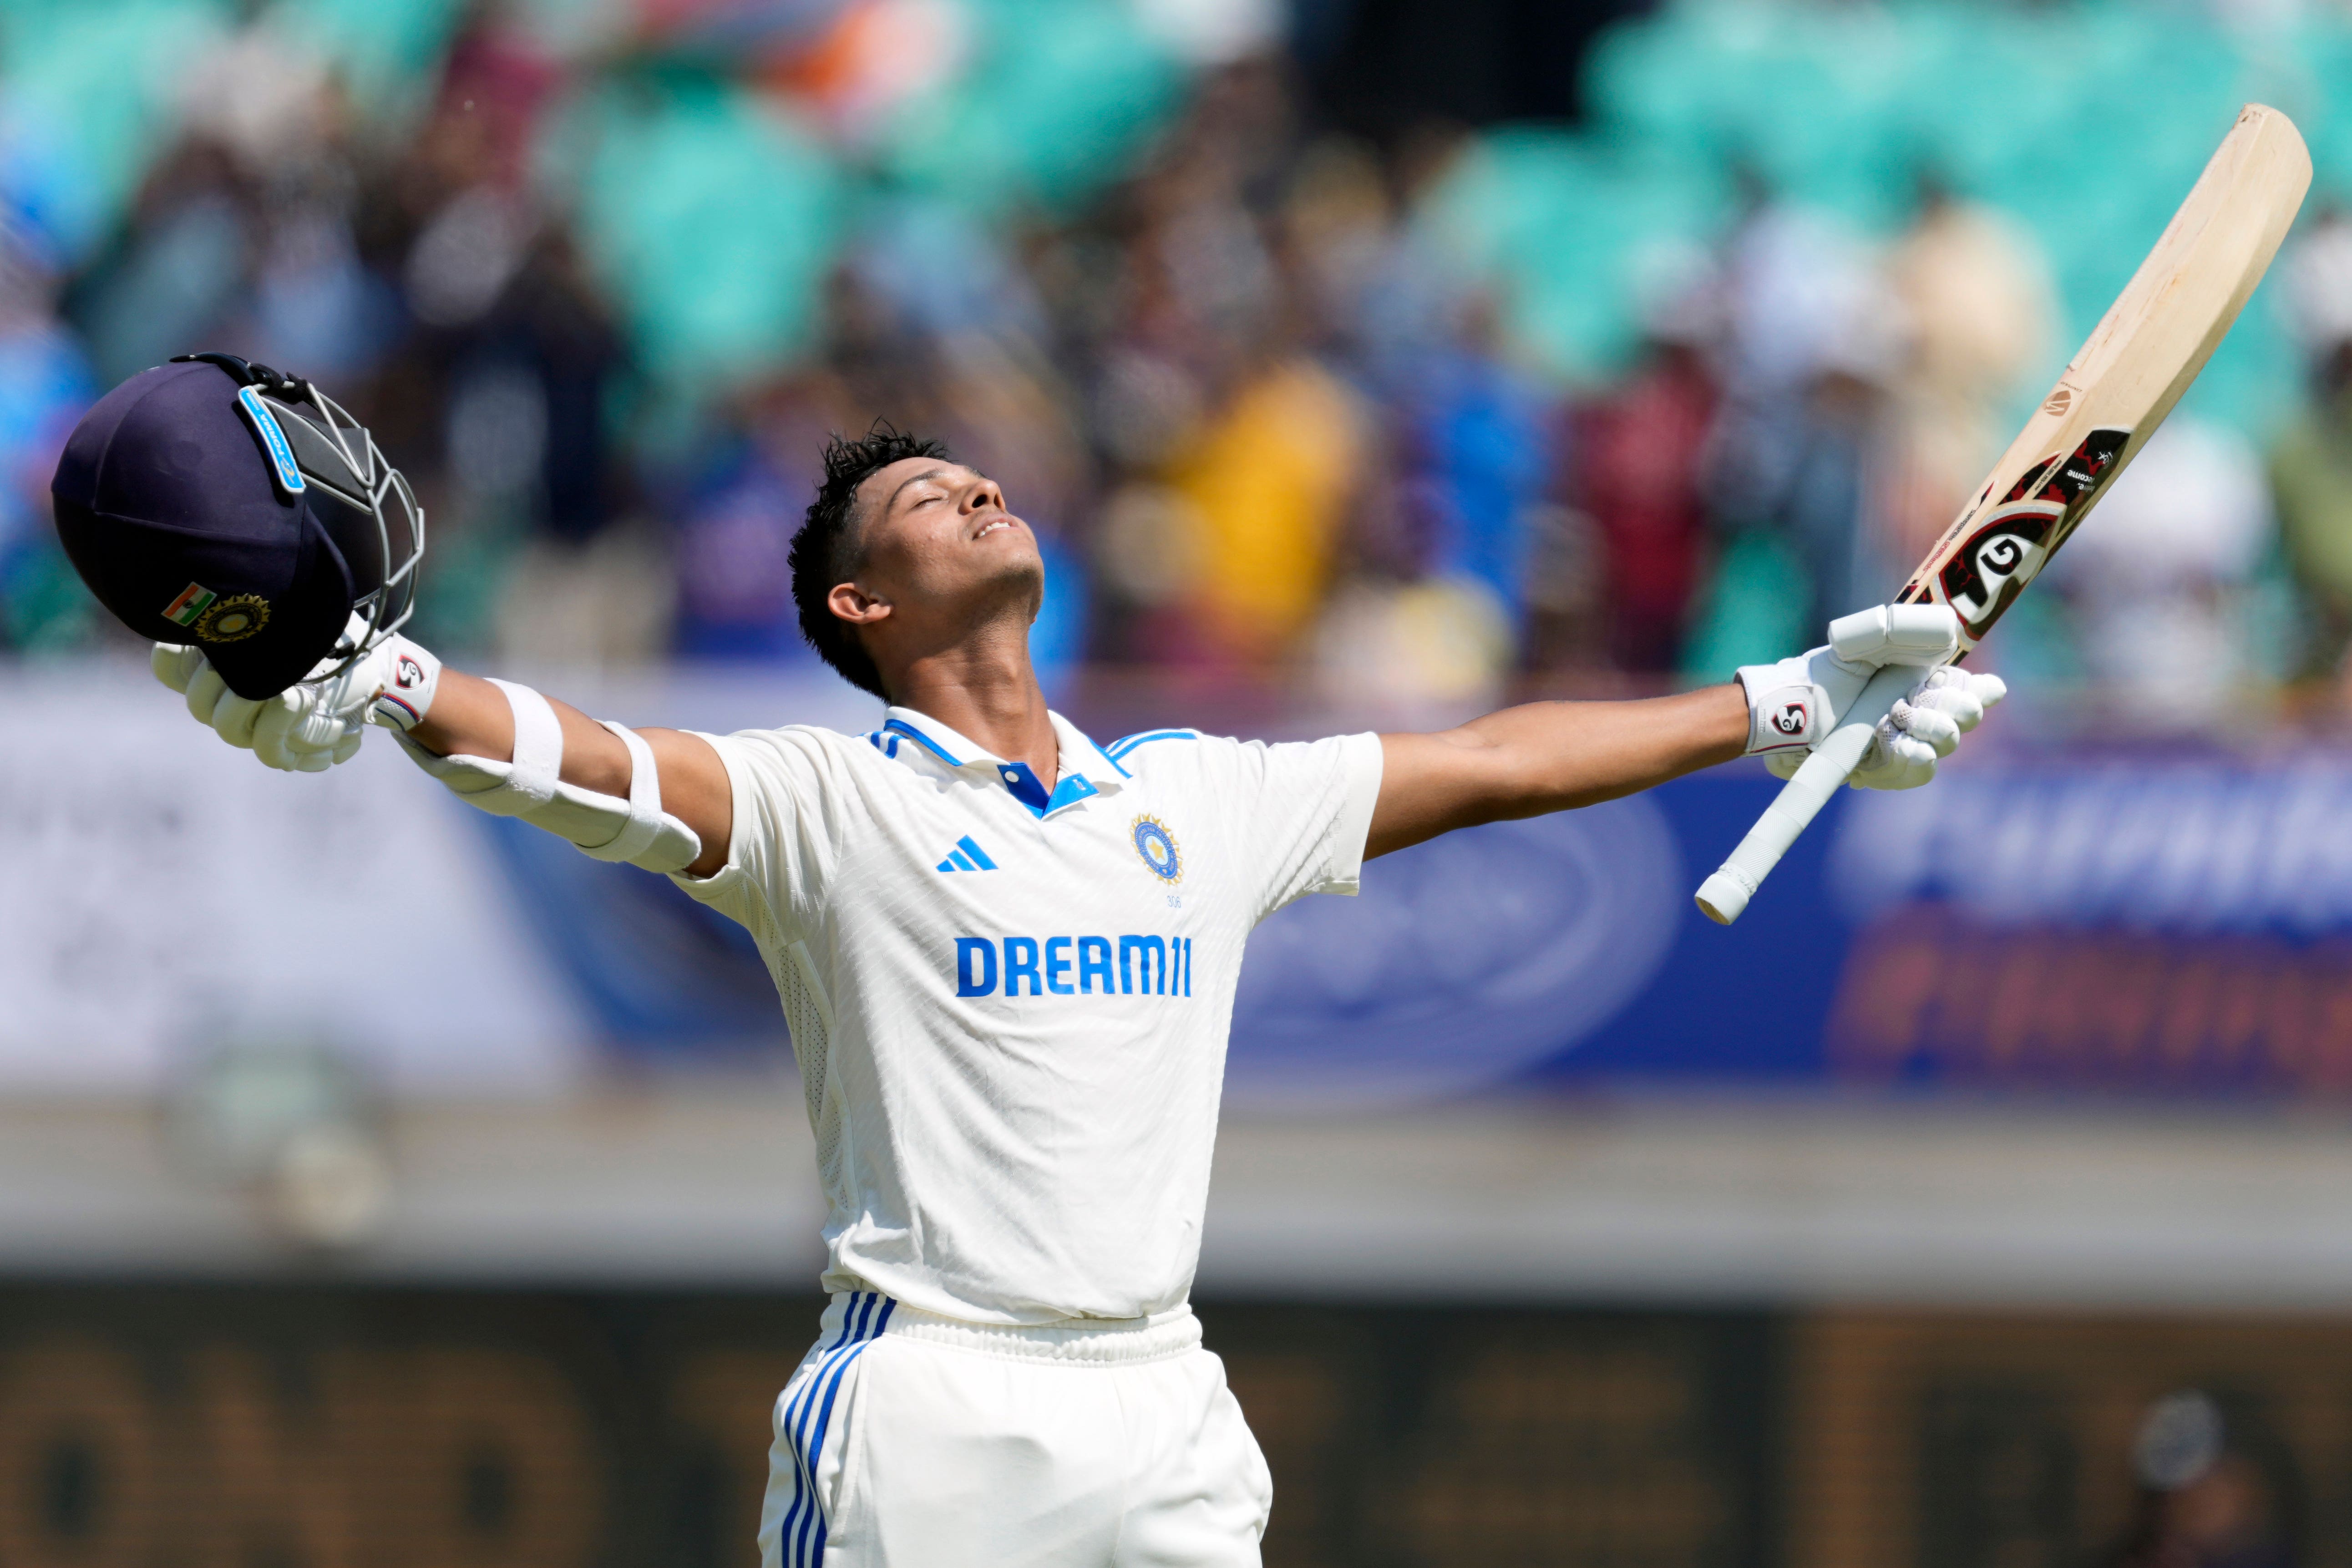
(829, 1375)
(803, 1481)
(860, 1325)
(816, 1551)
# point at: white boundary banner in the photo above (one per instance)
(164, 895)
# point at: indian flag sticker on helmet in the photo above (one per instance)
(193, 601)
(1158, 848)
(233, 619)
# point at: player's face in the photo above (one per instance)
(936, 537)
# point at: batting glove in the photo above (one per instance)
(1793, 705)
(311, 726)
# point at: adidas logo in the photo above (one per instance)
(967, 857)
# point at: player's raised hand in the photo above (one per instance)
(293, 731)
(1925, 728)
(311, 726)
(1793, 705)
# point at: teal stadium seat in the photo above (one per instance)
(2087, 123)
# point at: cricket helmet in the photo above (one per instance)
(222, 504)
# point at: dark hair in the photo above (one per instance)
(825, 552)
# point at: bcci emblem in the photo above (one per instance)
(1158, 848)
(233, 619)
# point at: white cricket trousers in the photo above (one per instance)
(909, 1440)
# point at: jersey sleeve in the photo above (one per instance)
(1303, 812)
(779, 851)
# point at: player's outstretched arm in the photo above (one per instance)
(471, 716)
(1547, 756)
(1551, 756)
(656, 799)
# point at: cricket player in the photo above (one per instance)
(1007, 952)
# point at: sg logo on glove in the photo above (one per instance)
(1791, 719)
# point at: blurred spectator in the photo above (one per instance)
(2311, 476)
(1396, 635)
(2160, 576)
(1798, 452)
(2314, 274)
(1638, 454)
(1480, 440)
(2311, 463)
(1449, 555)
(735, 598)
(1276, 402)
(735, 511)
(1864, 398)
(2202, 1503)
(175, 272)
(1269, 481)
(1974, 295)
(45, 386)
(1807, 470)
(1569, 616)
(1797, 287)
(1406, 644)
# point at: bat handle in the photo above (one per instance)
(1723, 895)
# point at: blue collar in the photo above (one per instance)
(1086, 770)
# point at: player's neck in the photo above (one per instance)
(986, 690)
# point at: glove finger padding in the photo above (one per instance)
(235, 717)
(312, 725)
(339, 707)
(318, 727)
(278, 738)
(1953, 701)
(1962, 695)
(1896, 760)
(204, 692)
(270, 726)
(1896, 634)
(1939, 731)
(175, 665)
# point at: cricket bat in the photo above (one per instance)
(2116, 391)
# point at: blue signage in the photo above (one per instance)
(2132, 925)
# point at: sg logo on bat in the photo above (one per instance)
(2034, 518)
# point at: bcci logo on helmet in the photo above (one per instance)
(233, 619)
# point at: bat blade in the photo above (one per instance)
(2125, 377)
(2108, 401)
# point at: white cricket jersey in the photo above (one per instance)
(1010, 1007)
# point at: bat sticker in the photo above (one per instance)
(1992, 565)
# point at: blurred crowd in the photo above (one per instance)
(1259, 385)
